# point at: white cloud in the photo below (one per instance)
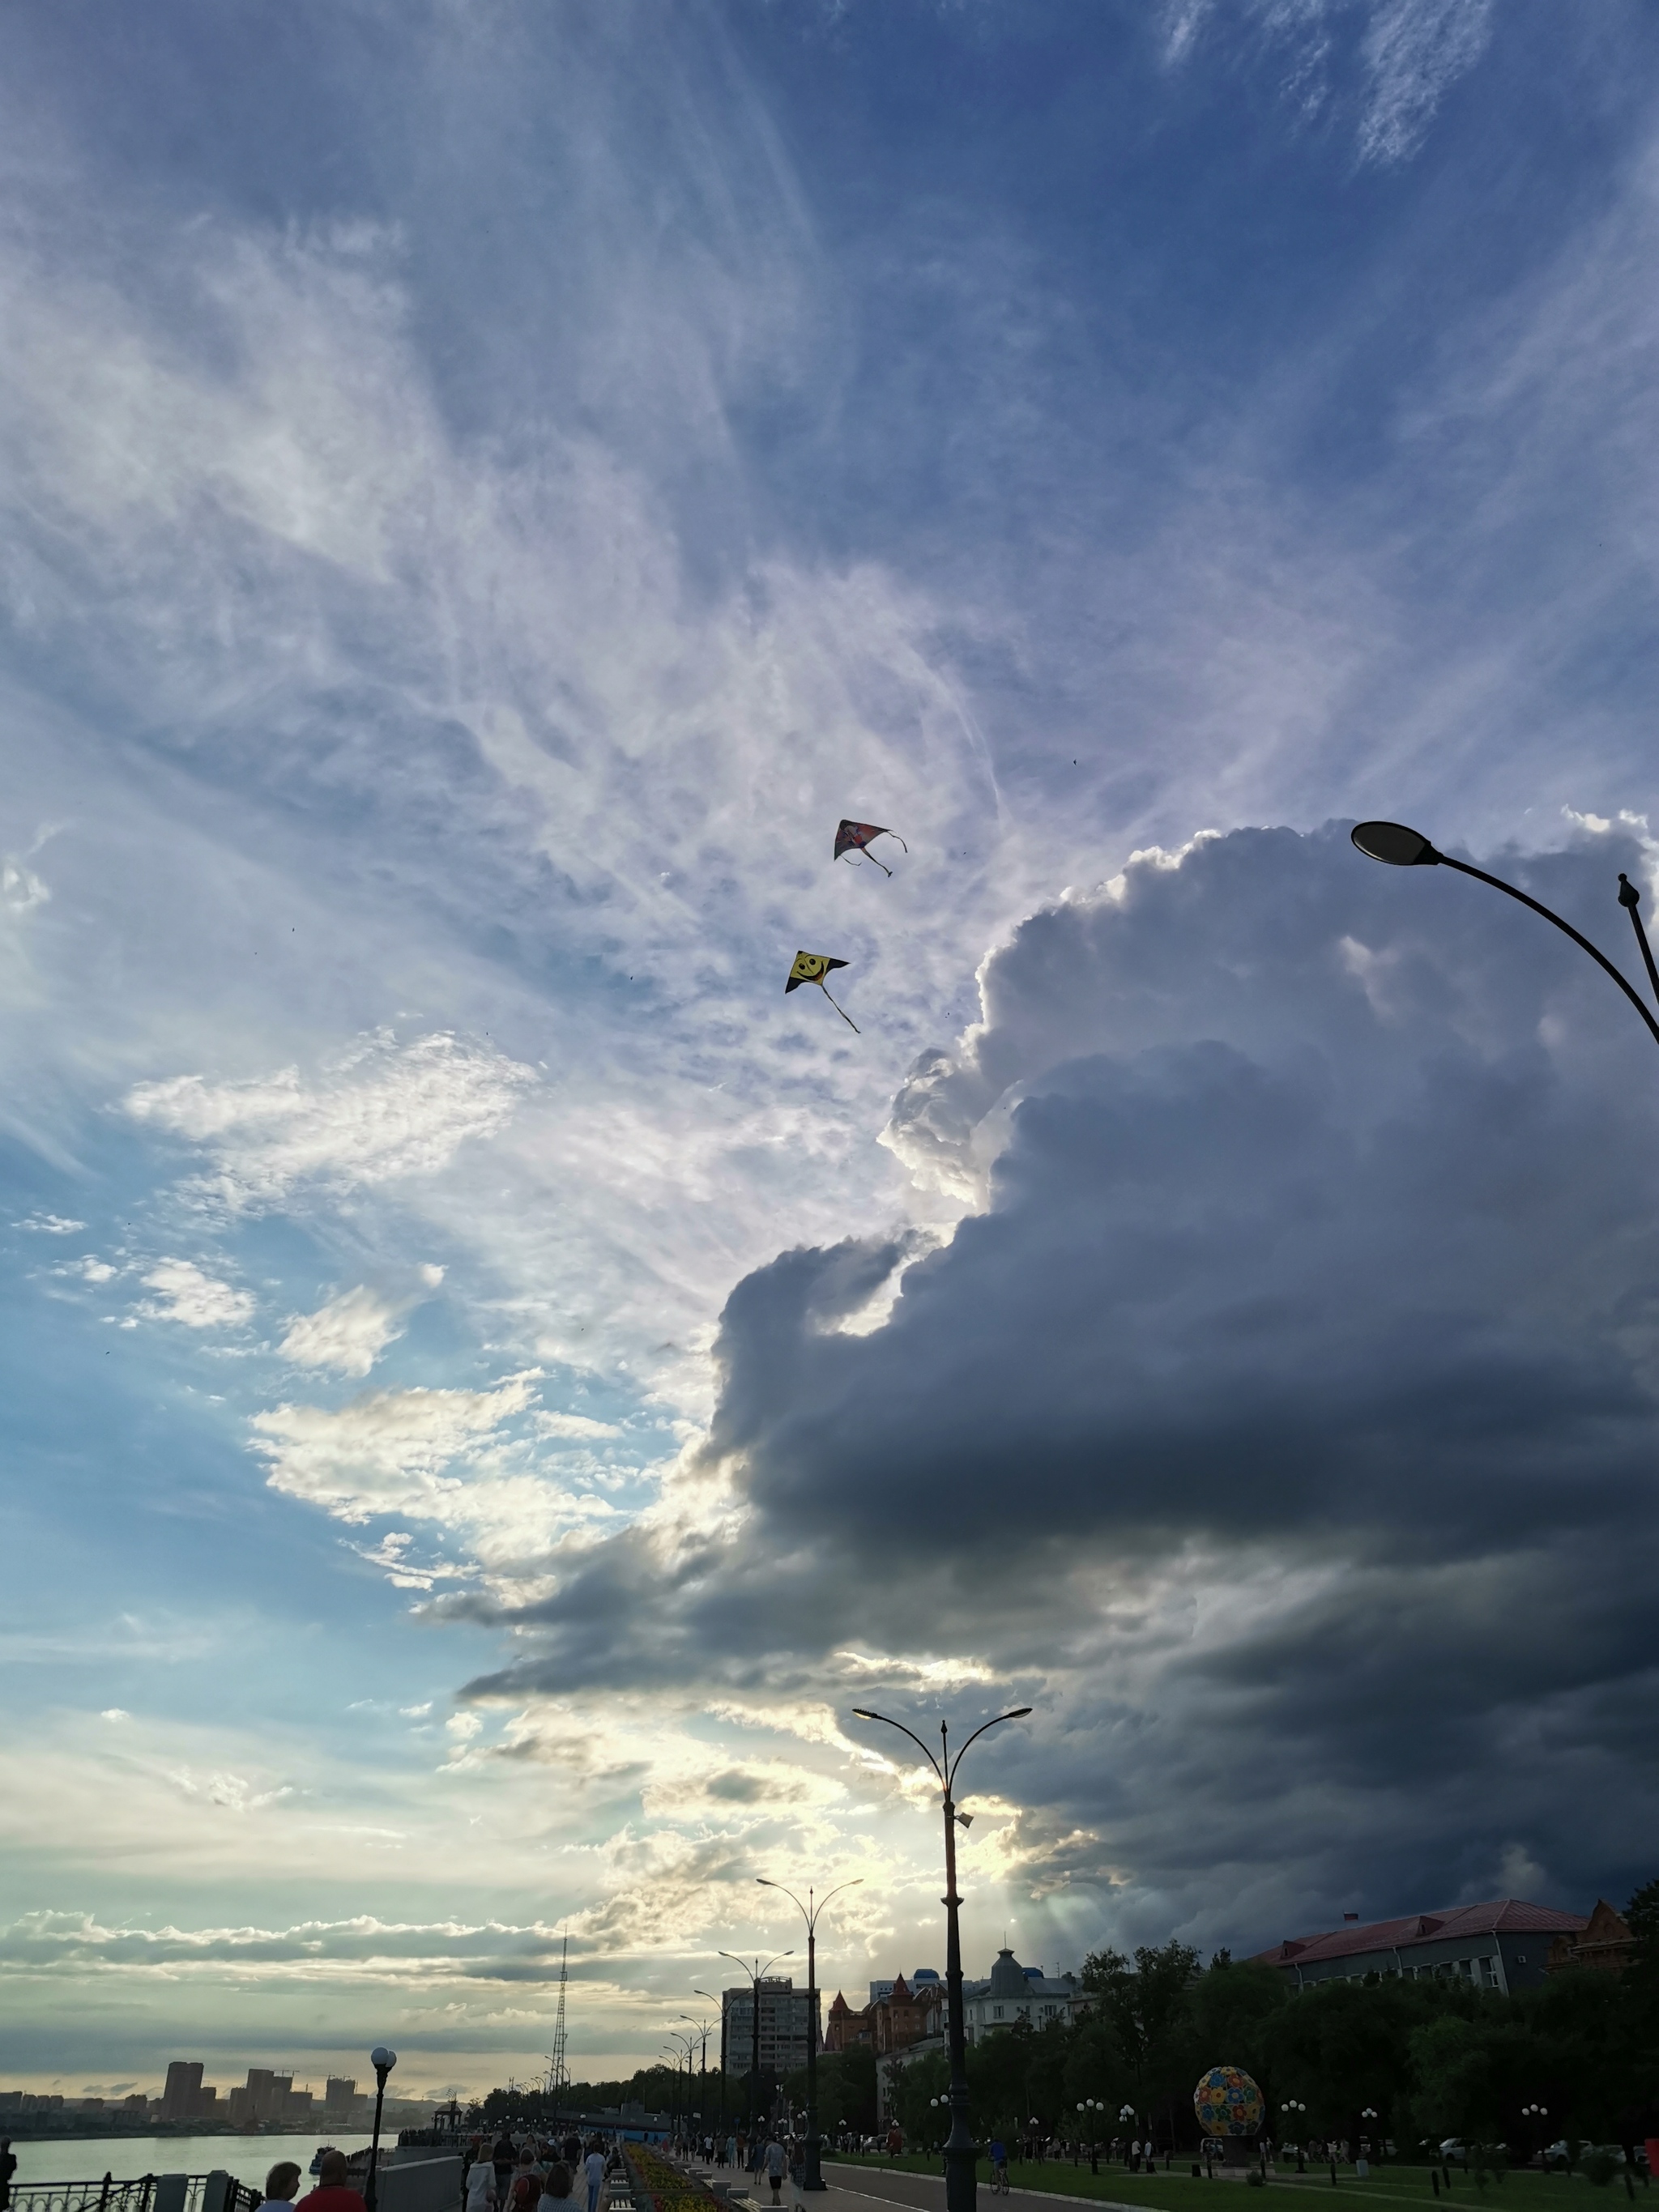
(387, 1452)
(381, 1111)
(1410, 54)
(21, 889)
(89, 1268)
(194, 1298)
(348, 1334)
(51, 1224)
(1414, 50)
(573, 1425)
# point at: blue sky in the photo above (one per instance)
(490, 1380)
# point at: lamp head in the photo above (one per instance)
(1393, 843)
(382, 2060)
(864, 1713)
(965, 1820)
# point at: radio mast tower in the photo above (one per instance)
(558, 2074)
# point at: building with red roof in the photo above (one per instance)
(1501, 1946)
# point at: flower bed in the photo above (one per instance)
(662, 2185)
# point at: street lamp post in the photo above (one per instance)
(1294, 2105)
(720, 2001)
(961, 2186)
(1401, 847)
(1093, 2107)
(755, 1974)
(1538, 2114)
(685, 2045)
(382, 2060)
(702, 2027)
(811, 2176)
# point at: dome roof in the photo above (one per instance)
(1008, 1977)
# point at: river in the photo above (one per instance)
(249, 2158)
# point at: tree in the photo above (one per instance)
(1234, 2011)
(1147, 2013)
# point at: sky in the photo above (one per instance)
(491, 1381)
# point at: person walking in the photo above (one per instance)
(8, 2167)
(481, 2194)
(333, 2192)
(555, 2188)
(501, 2157)
(280, 2183)
(594, 2169)
(526, 2191)
(777, 2165)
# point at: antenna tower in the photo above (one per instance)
(558, 2074)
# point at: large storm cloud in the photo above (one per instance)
(1282, 1419)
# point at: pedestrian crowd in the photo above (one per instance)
(528, 2173)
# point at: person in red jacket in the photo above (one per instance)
(331, 2193)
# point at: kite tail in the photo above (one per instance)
(842, 1011)
(865, 853)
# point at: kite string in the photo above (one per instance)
(841, 1011)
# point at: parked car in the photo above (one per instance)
(1454, 2147)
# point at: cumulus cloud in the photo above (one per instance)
(388, 1452)
(382, 1111)
(188, 1294)
(348, 1334)
(1266, 1419)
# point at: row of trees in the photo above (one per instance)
(1432, 2059)
(663, 2089)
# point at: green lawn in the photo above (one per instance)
(1177, 2191)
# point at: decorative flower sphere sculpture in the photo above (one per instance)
(1228, 2103)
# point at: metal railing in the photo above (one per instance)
(148, 2192)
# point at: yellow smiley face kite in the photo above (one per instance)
(812, 968)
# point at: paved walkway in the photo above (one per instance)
(854, 2188)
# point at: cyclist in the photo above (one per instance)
(999, 2167)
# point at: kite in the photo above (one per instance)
(812, 968)
(855, 837)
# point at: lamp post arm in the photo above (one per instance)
(1631, 898)
(860, 1714)
(1018, 1714)
(1463, 868)
(766, 1883)
(855, 1883)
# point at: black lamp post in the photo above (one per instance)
(1401, 847)
(811, 2176)
(1537, 2114)
(961, 2187)
(755, 1973)
(720, 2001)
(382, 2060)
(702, 2027)
(681, 2056)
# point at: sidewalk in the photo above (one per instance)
(854, 2188)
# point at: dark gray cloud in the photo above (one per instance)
(1285, 1424)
